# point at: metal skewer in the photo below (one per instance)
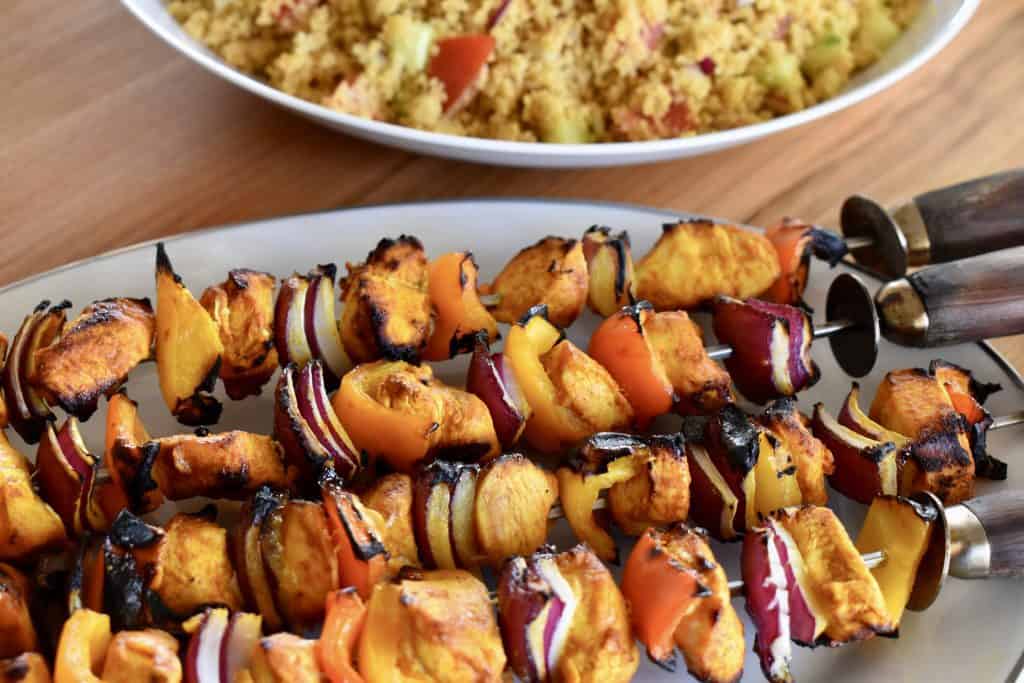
(828, 329)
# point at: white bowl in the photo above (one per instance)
(938, 23)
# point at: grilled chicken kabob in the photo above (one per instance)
(560, 615)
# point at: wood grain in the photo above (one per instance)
(108, 137)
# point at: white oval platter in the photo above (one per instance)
(975, 631)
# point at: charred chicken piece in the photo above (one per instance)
(28, 525)
(431, 626)
(229, 465)
(912, 402)
(401, 413)
(512, 500)
(701, 386)
(25, 408)
(185, 566)
(739, 471)
(188, 348)
(285, 658)
(243, 309)
(17, 633)
(659, 361)
(29, 667)
(610, 270)
(307, 427)
(299, 561)
(968, 396)
(691, 607)
(387, 305)
(584, 387)
(391, 497)
(660, 491)
(94, 354)
(564, 619)
(694, 261)
(552, 272)
(812, 458)
(149, 655)
(806, 582)
(570, 395)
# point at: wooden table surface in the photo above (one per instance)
(108, 137)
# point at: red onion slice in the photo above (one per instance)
(240, 636)
(803, 372)
(203, 659)
(493, 382)
(767, 602)
(771, 347)
(347, 456)
(497, 14)
(322, 327)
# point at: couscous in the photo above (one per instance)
(570, 71)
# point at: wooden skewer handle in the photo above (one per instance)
(969, 300)
(975, 217)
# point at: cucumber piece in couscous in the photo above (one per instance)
(408, 41)
(877, 31)
(825, 53)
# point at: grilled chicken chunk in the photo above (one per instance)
(149, 655)
(431, 626)
(94, 354)
(552, 272)
(243, 308)
(913, 403)
(27, 523)
(694, 261)
(387, 306)
(227, 465)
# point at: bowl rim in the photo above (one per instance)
(589, 152)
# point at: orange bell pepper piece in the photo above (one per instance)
(82, 648)
(459, 314)
(401, 437)
(339, 638)
(791, 240)
(622, 347)
(552, 425)
(125, 433)
(362, 557)
(656, 613)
